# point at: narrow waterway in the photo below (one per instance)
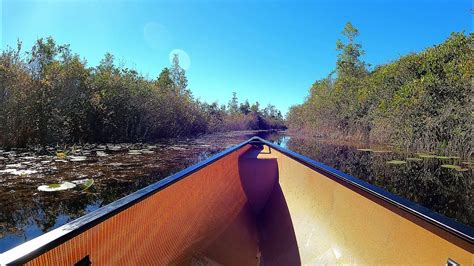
(96, 175)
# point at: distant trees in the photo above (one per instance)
(49, 95)
(420, 101)
(243, 116)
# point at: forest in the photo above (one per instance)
(421, 101)
(49, 95)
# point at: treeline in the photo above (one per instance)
(49, 95)
(422, 101)
(242, 116)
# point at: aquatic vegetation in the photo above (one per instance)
(20, 172)
(7, 171)
(396, 162)
(426, 155)
(77, 158)
(414, 159)
(24, 172)
(85, 183)
(16, 165)
(101, 154)
(442, 157)
(134, 152)
(365, 150)
(451, 166)
(61, 154)
(382, 151)
(88, 184)
(56, 187)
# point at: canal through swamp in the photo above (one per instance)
(95, 175)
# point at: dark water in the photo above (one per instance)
(26, 213)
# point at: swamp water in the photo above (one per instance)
(96, 175)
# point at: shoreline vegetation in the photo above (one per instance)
(419, 102)
(50, 96)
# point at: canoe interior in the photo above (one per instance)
(258, 206)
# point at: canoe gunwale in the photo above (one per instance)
(47, 241)
(449, 225)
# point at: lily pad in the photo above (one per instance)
(7, 171)
(85, 183)
(382, 151)
(16, 165)
(450, 166)
(365, 150)
(414, 159)
(56, 187)
(396, 162)
(77, 158)
(101, 154)
(24, 172)
(425, 155)
(88, 184)
(115, 148)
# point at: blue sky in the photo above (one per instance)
(266, 51)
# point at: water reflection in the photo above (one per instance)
(26, 213)
(443, 190)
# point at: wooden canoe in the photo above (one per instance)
(254, 204)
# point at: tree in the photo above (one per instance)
(244, 108)
(164, 81)
(178, 76)
(233, 105)
(348, 61)
(255, 108)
